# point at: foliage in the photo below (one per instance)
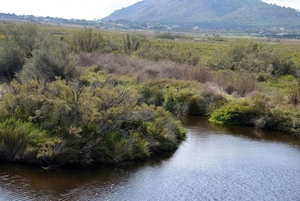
(18, 139)
(18, 45)
(86, 40)
(99, 121)
(238, 113)
(11, 59)
(84, 108)
(179, 97)
(23, 36)
(168, 50)
(241, 83)
(294, 97)
(50, 58)
(253, 57)
(257, 111)
(145, 48)
(43, 55)
(284, 119)
(132, 43)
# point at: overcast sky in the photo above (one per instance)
(85, 9)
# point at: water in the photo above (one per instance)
(214, 163)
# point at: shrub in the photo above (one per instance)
(180, 97)
(98, 122)
(201, 74)
(86, 40)
(132, 43)
(261, 77)
(294, 97)
(163, 133)
(253, 57)
(23, 36)
(19, 140)
(241, 83)
(210, 100)
(236, 114)
(151, 95)
(50, 59)
(55, 151)
(11, 60)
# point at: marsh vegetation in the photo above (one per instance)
(87, 96)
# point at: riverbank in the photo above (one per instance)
(123, 130)
(214, 163)
(111, 118)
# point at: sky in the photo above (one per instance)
(85, 9)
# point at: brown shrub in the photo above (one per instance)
(142, 68)
(241, 83)
(201, 74)
(110, 63)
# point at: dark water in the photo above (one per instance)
(214, 163)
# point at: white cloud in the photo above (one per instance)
(79, 9)
(286, 3)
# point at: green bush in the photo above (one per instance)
(51, 58)
(19, 140)
(163, 133)
(294, 97)
(253, 57)
(86, 40)
(151, 94)
(101, 122)
(185, 102)
(11, 60)
(180, 97)
(236, 114)
(23, 35)
(283, 119)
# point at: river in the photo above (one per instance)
(214, 163)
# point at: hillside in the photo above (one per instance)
(209, 13)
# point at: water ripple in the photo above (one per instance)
(209, 165)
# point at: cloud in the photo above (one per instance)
(286, 3)
(79, 9)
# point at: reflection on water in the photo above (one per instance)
(214, 163)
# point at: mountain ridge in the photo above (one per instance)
(214, 13)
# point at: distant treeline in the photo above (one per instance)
(283, 36)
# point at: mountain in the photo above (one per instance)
(209, 13)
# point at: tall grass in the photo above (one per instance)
(17, 138)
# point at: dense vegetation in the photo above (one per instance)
(98, 97)
(54, 112)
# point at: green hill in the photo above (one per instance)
(210, 13)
